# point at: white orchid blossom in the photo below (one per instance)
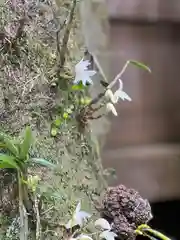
(82, 73)
(108, 235)
(78, 218)
(83, 237)
(102, 223)
(110, 96)
(110, 108)
(120, 93)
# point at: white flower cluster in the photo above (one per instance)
(114, 97)
(82, 73)
(80, 217)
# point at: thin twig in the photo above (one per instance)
(58, 37)
(118, 76)
(58, 41)
(63, 49)
(22, 212)
(38, 222)
(99, 67)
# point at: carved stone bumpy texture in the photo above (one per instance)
(125, 209)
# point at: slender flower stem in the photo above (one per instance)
(100, 95)
(99, 67)
(118, 76)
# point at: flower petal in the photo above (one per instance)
(82, 217)
(121, 94)
(108, 235)
(110, 108)
(82, 65)
(87, 80)
(83, 73)
(84, 214)
(84, 237)
(120, 84)
(78, 208)
(110, 96)
(77, 80)
(85, 64)
(90, 73)
(71, 223)
(102, 223)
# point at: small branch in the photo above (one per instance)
(100, 95)
(58, 36)
(96, 99)
(22, 212)
(99, 67)
(97, 108)
(63, 49)
(58, 41)
(97, 117)
(38, 222)
(118, 76)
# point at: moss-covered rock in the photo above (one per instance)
(35, 90)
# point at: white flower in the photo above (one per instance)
(78, 217)
(83, 237)
(82, 72)
(110, 96)
(120, 93)
(108, 235)
(110, 108)
(102, 223)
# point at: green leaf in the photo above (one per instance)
(11, 146)
(151, 233)
(26, 144)
(42, 162)
(2, 145)
(78, 87)
(6, 165)
(140, 65)
(54, 131)
(7, 161)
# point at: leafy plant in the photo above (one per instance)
(16, 156)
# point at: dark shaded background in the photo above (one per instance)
(166, 218)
